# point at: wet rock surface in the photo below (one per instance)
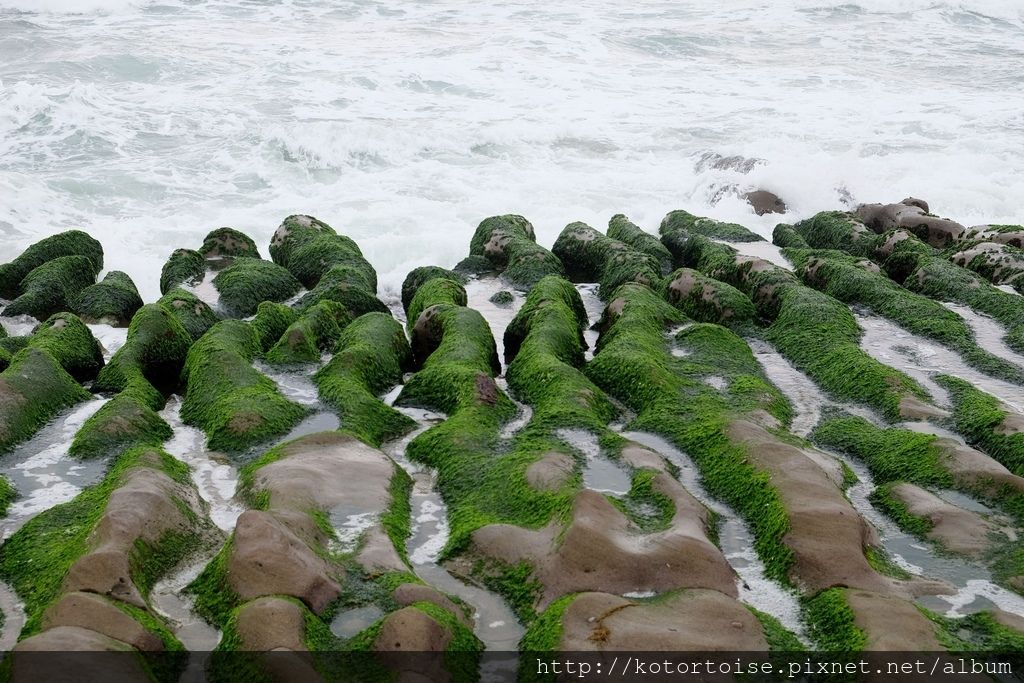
(521, 457)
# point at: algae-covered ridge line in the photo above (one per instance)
(330, 512)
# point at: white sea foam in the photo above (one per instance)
(150, 122)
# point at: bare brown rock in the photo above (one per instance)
(91, 611)
(826, 534)
(892, 624)
(763, 202)
(691, 620)
(938, 232)
(972, 468)
(267, 624)
(408, 593)
(551, 471)
(106, 661)
(600, 550)
(266, 558)
(958, 530)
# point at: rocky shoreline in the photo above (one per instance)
(533, 439)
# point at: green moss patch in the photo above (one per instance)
(70, 243)
(249, 281)
(830, 622)
(589, 256)
(980, 418)
(236, 405)
(51, 287)
(114, 300)
(311, 334)
(183, 267)
(622, 229)
(193, 313)
(228, 242)
(508, 244)
(370, 357)
(708, 227)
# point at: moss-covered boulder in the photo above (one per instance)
(817, 333)
(785, 235)
(432, 292)
(834, 230)
(70, 342)
(114, 540)
(70, 243)
(708, 227)
(707, 300)
(51, 287)
(192, 312)
(794, 506)
(370, 356)
(347, 286)
(985, 420)
(271, 321)
(622, 229)
(315, 331)
(417, 277)
(183, 267)
(1012, 235)
(859, 282)
(920, 269)
(589, 256)
(998, 263)
(228, 243)
(235, 404)
(509, 245)
(249, 281)
(140, 373)
(113, 300)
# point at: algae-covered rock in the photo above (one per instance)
(370, 356)
(708, 227)
(622, 229)
(859, 282)
(70, 243)
(192, 312)
(998, 263)
(40, 379)
(918, 268)
(183, 267)
(115, 540)
(835, 230)
(249, 281)
(474, 265)
(795, 508)
(817, 333)
(589, 256)
(228, 242)
(51, 287)
(315, 331)
(432, 292)
(347, 286)
(509, 244)
(986, 421)
(707, 300)
(503, 298)
(1012, 235)
(231, 401)
(146, 367)
(271, 320)
(113, 300)
(417, 277)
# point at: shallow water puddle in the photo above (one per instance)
(988, 332)
(805, 396)
(921, 358)
(766, 250)
(600, 473)
(213, 474)
(595, 308)
(170, 601)
(110, 338)
(522, 418)
(13, 612)
(205, 290)
(41, 470)
(350, 622)
(975, 590)
(495, 623)
(478, 297)
(295, 384)
(735, 539)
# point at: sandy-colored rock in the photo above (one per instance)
(892, 624)
(411, 630)
(958, 530)
(826, 534)
(602, 551)
(142, 508)
(408, 593)
(692, 620)
(913, 408)
(551, 471)
(638, 456)
(267, 624)
(938, 232)
(1008, 619)
(108, 660)
(91, 611)
(970, 467)
(267, 558)
(377, 553)
(763, 202)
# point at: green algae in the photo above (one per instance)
(249, 281)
